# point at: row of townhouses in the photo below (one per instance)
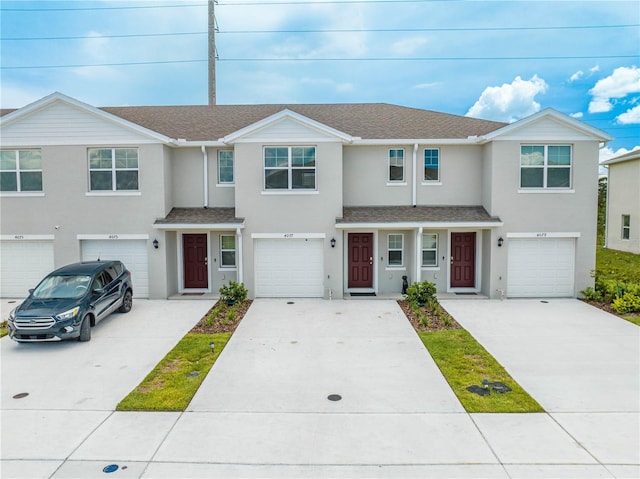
(299, 200)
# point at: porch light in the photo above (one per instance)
(500, 242)
(333, 242)
(156, 244)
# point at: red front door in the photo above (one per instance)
(360, 260)
(194, 249)
(463, 260)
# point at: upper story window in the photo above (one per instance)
(20, 170)
(396, 165)
(545, 166)
(227, 251)
(394, 249)
(225, 167)
(290, 168)
(626, 227)
(430, 250)
(431, 164)
(113, 169)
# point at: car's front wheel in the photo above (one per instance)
(85, 329)
(127, 302)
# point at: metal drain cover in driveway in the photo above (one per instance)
(334, 397)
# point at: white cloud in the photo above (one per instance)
(509, 102)
(578, 114)
(630, 117)
(576, 76)
(424, 86)
(594, 69)
(622, 82)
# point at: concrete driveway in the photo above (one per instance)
(264, 409)
(580, 363)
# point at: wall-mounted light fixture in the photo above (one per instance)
(333, 242)
(500, 242)
(156, 244)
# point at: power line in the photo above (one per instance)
(390, 59)
(338, 30)
(82, 9)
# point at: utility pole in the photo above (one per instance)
(212, 54)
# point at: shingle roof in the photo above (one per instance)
(364, 120)
(208, 216)
(418, 214)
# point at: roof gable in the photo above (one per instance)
(288, 125)
(548, 125)
(630, 156)
(61, 120)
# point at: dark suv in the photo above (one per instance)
(72, 299)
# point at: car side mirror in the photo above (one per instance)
(98, 291)
(31, 290)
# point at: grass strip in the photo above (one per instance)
(4, 329)
(171, 385)
(464, 362)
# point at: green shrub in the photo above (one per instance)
(628, 303)
(233, 293)
(421, 292)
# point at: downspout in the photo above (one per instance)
(419, 254)
(606, 210)
(414, 192)
(205, 169)
(240, 262)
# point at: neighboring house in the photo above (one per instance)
(622, 228)
(299, 200)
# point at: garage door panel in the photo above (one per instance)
(133, 253)
(541, 267)
(23, 264)
(289, 268)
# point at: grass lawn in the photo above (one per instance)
(4, 330)
(618, 265)
(174, 381)
(464, 362)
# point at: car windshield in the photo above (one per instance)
(62, 287)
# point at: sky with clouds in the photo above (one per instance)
(498, 60)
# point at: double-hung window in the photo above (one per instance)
(429, 250)
(113, 169)
(626, 227)
(395, 243)
(396, 165)
(432, 164)
(20, 170)
(290, 168)
(227, 251)
(545, 166)
(225, 167)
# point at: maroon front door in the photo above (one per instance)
(463, 260)
(360, 260)
(194, 254)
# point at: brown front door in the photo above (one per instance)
(463, 260)
(194, 248)
(360, 260)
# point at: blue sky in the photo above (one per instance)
(499, 60)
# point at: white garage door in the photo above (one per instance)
(133, 253)
(541, 267)
(23, 264)
(291, 268)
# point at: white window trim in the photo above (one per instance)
(235, 250)
(434, 266)
(439, 180)
(233, 167)
(17, 171)
(545, 168)
(401, 249)
(401, 181)
(114, 191)
(289, 168)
